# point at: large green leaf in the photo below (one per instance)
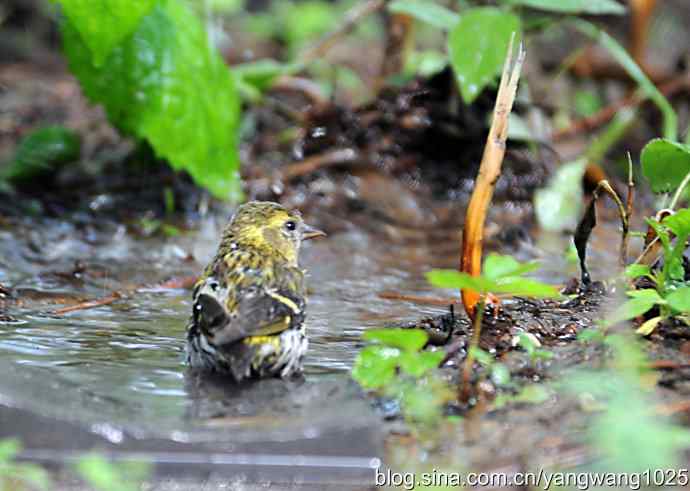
(426, 11)
(103, 24)
(478, 45)
(164, 83)
(665, 163)
(593, 7)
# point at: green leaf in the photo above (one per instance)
(497, 266)
(417, 364)
(558, 206)
(164, 83)
(525, 287)
(41, 152)
(679, 299)
(449, 278)
(592, 7)
(664, 164)
(375, 366)
(630, 309)
(591, 336)
(103, 24)
(425, 11)
(9, 448)
(646, 293)
(500, 374)
(478, 45)
(636, 270)
(649, 325)
(482, 356)
(261, 73)
(528, 343)
(678, 223)
(404, 339)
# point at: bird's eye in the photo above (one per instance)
(291, 225)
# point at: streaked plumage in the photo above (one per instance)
(249, 304)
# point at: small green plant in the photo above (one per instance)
(16, 476)
(625, 417)
(104, 475)
(502, 275)
(532, 346)
(671, 293)
(395, 365)
(41, 153)
(498, 372)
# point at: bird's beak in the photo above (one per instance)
(309, 232)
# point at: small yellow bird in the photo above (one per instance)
(249, 303)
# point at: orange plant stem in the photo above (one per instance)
(489, 172)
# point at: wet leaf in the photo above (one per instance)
(679, 299)
(477, 47)
(559, 204)
(425, 11)
(497, 266)
(664, 164)
(375, 366)
(103, 24)
(165, 84)
(417, 364)
(41, 152)
(649, 325)
(636, 270)
(593, 7)
(404, 339)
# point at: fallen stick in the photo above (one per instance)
(441, 302)
(89, 304)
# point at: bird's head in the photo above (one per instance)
(271, 228)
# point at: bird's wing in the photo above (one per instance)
(261, 312)
(257, 308)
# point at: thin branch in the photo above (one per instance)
(350, 20)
